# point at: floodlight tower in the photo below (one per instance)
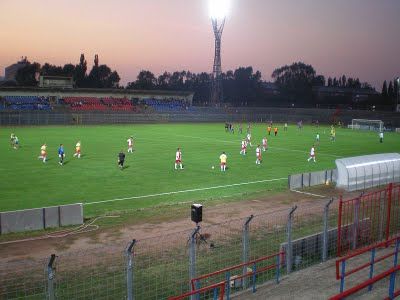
(218, 11)
(398, 94)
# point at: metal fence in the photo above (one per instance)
(243, 253)
(162, 267)
(193, 114)
(368, 219)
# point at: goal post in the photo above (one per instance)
(365, 124)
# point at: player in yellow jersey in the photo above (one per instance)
(222, 159)
(78, 149)
(333, 134)
(43, 153)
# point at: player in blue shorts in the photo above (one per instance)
(61, 154)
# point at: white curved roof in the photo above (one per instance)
(360, 172)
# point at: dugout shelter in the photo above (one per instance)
(362, 172)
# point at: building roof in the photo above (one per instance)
(343, 90)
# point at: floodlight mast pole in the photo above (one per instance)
(398, 95)
(216, 85)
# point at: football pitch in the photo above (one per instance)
(149, 178)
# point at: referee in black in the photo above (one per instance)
(121, 159)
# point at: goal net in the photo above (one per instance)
(364, 124)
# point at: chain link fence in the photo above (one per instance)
(193, 114)
(164, 266)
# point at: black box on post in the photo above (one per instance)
(197, 213)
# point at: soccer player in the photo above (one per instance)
(16, 142)
(12, 139)
(285, 127)
(178, 159)
(333, 134)
(300, 125)
(130, 144)
(312, 154)
(258, 155)
(43, 153)
(222, 159)
(121, 159)
(265, 144)
(78, 149)
(61, 154)
(240, 130)
(269, 130)
(249, 139)
(244, 147)
(381, 137)
(276, 131)
(232, 128)
(317, 138)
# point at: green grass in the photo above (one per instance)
(25, 182)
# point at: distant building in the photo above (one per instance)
(323, 92)
(56, 81)
(11, 71)
(270, 88)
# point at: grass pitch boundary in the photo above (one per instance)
(185, 191)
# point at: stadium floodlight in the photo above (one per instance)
(218, 10)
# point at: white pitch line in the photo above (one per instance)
(185, 191)
(311, 194)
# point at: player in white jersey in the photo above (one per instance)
(78, 150)
(258, 155)
(43, 153)
(244, 147)
(312, 154)
(265, 144)
(249, 139)
(178, 159)
(130, 144)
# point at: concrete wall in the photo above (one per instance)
(298, 181)
(41, 218)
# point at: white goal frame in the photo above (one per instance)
(366, 124)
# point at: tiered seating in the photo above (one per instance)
(85, 103)
(27, 103)
(94, 103)
(166, 104)
(118, 104)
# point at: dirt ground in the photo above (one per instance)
(120, 235)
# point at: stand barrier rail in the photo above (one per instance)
(368, 219)
(218, 292)
(341, 272)
(231, 280)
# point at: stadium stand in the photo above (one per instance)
(26, 103)
(166, 104)
(98, 104)
(118, 104)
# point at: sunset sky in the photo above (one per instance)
(358, 38)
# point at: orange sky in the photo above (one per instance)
(356, 37)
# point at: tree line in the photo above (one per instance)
(100, 76)
(243, 86)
